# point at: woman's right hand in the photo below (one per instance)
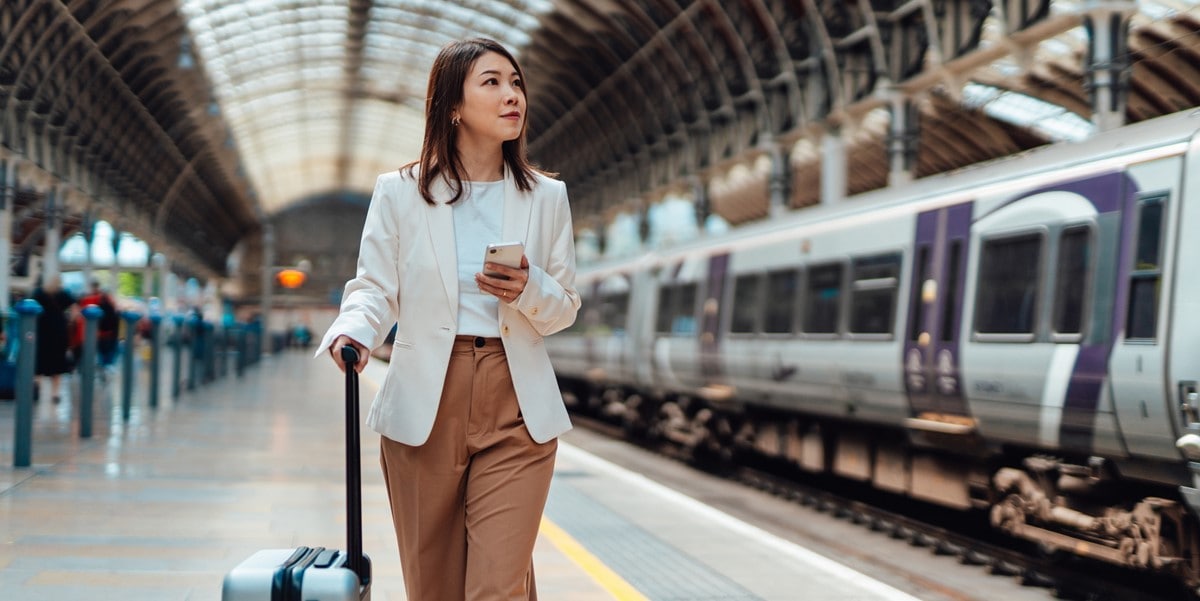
(336, 352)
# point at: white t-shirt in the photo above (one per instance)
(478, 218)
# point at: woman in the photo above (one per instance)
(470, 409)
(53, 335)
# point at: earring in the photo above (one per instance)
(455, 121)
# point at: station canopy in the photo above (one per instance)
(322, 95)
(194, 123)
(325, 95)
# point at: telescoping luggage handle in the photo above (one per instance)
(353, 475)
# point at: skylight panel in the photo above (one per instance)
(1050, 120)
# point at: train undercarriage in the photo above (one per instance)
(1080, 506)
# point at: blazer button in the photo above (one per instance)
(505, 330)
(534, 311)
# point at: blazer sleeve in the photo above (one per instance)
(550, 301)
(370, 302)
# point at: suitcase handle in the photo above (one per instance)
(354, 552)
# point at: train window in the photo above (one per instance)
(615, 311)
(780, 303)
(1008, 285)
(1070, 285)
(745, 304)
(1142, 320)
(873, 294)
(953, 280)
(666, 295)
(917, 306)
(1149, 234)
(684, 318)
(823, 299)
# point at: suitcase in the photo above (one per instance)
(315, 573)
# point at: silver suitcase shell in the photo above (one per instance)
(261, 577)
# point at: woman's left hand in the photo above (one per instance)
(507, 290)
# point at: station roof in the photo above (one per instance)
(198, 120)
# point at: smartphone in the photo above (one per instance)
(504, 253)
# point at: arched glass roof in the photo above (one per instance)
(323, 95)
(1054, 121)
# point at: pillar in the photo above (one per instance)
(702, 203)
(1107, 62)
(779, 181)
(833, 166)
(643, 223)
(116, 264)
(88, 229)
(902, 139)
(148, 276)
(8, 194)
(55, 199)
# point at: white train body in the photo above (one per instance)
(1043, 306)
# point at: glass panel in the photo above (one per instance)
(823, 299)
(1142, 320)
(950, 294)
(1070, 280)
(917, 305)
(1143, 308)
(876, 268)
(666, 296)
(1149, 235)
(780, 302)
(1008, 287)
(745, 304)
(684, 321)
(874, 294)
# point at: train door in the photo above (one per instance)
(1143, 397)
(1184, 368)
(676, 358)
(710, 321)
(931, 353)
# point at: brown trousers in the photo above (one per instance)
(466, 504)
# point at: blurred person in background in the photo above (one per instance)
(107, 327)
(52, 334)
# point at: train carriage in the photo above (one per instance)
(1019, 337)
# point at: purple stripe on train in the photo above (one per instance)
(1108, 193)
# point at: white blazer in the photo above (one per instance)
(408, 275)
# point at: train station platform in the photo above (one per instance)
(161, 507)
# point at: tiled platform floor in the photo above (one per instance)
(160, 508)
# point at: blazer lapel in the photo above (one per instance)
(445, 249)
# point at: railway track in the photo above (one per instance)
(965, 537)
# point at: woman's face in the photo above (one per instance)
(493, 106)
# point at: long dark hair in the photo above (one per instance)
(439, 152)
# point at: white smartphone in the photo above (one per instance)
(504, 253)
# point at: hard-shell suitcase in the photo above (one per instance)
(315, 573)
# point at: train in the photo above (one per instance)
(1020, 338)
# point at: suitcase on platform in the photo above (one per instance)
(315, 573)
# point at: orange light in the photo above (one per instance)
(291, 278)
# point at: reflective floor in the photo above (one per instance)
(160, 508)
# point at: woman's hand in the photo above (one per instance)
(336, 351)
(505, 290)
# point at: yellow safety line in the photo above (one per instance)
(602, 574)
